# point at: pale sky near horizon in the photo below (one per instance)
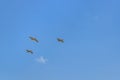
(90, 28)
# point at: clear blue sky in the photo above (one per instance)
(90, 28)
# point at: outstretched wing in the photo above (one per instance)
(36, 40)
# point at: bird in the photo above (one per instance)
(60, 40)
(33, 39)
(29, 51)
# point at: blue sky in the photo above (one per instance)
(90, 28)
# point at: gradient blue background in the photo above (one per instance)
(90, 28)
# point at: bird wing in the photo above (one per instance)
(36, 40)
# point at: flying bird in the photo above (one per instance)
(29, 51)
(60, 40)
(33, 39)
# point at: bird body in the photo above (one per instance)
(29, 51)
(60, 40)
(33, 39)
